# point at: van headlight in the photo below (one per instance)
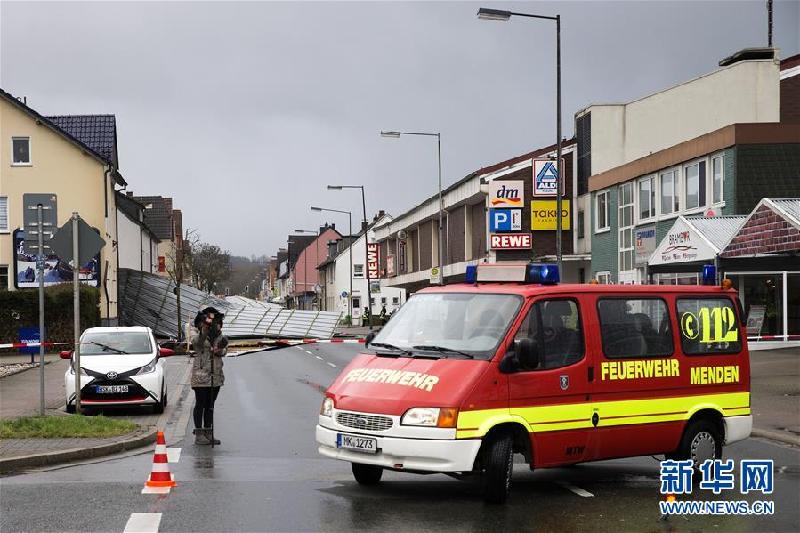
(327, 407)
(443, 417)
(149, 368)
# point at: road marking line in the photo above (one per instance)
(331, 364)
(318, 357)
(577, 490)
(173, 455)
(309, 352)
(143, 523)
(155, 490)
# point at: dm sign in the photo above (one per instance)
(506, 194)
(505, 220)
(544, 215)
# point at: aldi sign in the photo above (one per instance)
(501, 220)
(545, 177)
(506, 194)
(510, 241)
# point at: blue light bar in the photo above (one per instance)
(543, 273)
(471, 274)
(709, 275)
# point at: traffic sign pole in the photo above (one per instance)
(76, 308)
(40, 270)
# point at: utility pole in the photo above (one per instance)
(769, 23)
(76, 309)
(40, 271)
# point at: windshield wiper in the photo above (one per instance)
(105, 347)
(389, 347)
(441, 349)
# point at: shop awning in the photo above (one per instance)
(695, 239)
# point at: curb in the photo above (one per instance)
(779, 436)
(137, 440)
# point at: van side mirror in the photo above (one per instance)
(65, 354)
(165, 352)
(527, 352)
(370, 337)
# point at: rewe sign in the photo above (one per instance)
(373, 261)
(510, 241)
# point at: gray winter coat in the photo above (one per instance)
(201, 362)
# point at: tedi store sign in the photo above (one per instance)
(506, 194)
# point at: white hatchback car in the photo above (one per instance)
(119, 367)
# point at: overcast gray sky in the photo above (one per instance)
(243, 112)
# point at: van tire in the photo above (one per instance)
(367, 474)
(497, 468)
(701, 440)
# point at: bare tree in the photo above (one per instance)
(209, 266)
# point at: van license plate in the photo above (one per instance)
(357, 444)
(111, 389)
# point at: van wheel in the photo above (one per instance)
(498, 465)
(367, 474)
(701, 441)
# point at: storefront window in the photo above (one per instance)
(793, 303)
(762, 299)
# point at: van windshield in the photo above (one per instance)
(444, 324)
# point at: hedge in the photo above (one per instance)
(21, 309)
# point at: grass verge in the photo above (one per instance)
(60, 427)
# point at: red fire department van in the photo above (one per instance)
(466, 375)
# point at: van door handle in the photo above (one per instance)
(591, 374)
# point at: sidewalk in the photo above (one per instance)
(19, 396)
(353, 331)
(775, 398)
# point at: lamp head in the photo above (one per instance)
(391, 134)
(493, 14)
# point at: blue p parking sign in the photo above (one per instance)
(501, 220)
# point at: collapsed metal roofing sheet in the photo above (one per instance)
(718, 230)
(148, 300)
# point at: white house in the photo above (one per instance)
(138, 245)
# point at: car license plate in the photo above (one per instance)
(357, 444)
(110, 389)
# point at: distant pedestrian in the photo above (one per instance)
(210, 346)
(383, 314)
(367, 317)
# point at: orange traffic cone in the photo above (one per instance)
(160, 475)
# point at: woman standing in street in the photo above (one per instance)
(210, 346)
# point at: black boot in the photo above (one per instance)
(208, 433)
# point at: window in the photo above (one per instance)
(467, 322)
(21, 150)
(555, 328)
(356, 303)
(669, 192)
(372, 302)
(625, 222)
(695, 184)
(3, 277)
(717, 175)
(601, 211)
(581, 233)
(634, 327)
(647, 197)
(708, 326)
(3, 213)
(358, 271)
(383, 300)
(603, 278)
(395, 300)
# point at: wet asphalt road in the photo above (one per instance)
(267, 476)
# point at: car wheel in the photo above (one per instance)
(497, 468)
(701, 441)
(71, 408)
(367, 474)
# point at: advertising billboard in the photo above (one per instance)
(55, 269)
(506, 194)
(544, 215)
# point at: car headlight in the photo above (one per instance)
(327, 407)
(443, 417)
(148, 368)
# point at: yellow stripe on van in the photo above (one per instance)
(472, 424)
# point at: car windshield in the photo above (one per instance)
(444, 324)
(119, 342)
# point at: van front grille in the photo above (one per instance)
(364, 422)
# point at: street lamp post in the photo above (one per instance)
(396, 135)
(316, 242)
(349, 250)
(365, 226)
(502, 15)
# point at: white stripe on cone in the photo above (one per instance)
(160, 467)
